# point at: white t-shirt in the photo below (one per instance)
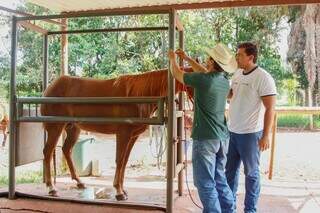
(246, 110)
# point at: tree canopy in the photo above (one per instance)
(106, 55)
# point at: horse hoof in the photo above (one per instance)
(121, 197)
(53, 193)
(81, 186)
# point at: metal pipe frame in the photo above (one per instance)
(180, 127)
(90, 100)
(159, 120)
(45, 80)
(127, 29)
(97, 14)
(171, 122)
(12, 133)
(171, 118)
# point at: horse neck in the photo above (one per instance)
(156, 83)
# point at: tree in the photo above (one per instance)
(204, 28)
(304, 53)
(106, 55)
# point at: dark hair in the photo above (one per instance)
(250, 49)
(216, 66)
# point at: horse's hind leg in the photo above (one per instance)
(73, 133)
(54, 132)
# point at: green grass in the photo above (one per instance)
(297, 121)
(26, 177)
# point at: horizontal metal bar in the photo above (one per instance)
(127, 29)
(97, 13)
(88, 100)
(154, 120)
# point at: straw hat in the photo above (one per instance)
(224, 57)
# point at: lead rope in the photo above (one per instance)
(186, 152)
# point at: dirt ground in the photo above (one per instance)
(295, 186)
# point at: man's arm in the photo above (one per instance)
(175, 68)
(195, 65)
(230, 94)
(269, 103)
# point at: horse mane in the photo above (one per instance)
(151, 83)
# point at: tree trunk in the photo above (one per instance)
(309, 98)
(317, 44)
(310, 49)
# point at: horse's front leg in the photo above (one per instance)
(123, 140)
(54, 132)
(125, 161)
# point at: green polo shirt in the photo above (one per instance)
(210, 93)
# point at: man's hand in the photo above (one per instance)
(264, 143)
(171, 55)
(181, 54)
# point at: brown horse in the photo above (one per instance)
(152, 83)
(3, 127)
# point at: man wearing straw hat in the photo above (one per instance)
(251, 111)
(209, 132)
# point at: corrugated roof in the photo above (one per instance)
(90, 5)
(84, 5)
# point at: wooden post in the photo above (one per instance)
(63, 71)
(274, 131)
(64, 48)
(310, 105)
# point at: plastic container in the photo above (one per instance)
(82, 155)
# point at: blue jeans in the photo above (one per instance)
(209, 160)
(245, 148)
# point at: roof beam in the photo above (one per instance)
(21, 13)
(186, 6)
(33, 27)
(240, 3)
(179, 24)
(164, 9)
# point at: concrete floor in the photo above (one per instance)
(276, 197)
(295, 187)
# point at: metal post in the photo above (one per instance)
(12, 134)
(180, 131)
(171, 118)
(44, 86)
